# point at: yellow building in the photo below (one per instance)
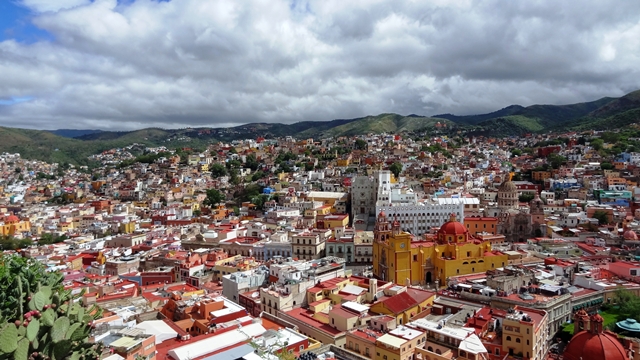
(404, 305)
(127, 228)
(523, 333)
(333, 221)
(343, 162)
(13, 225)
(540, 175)
(452, 252)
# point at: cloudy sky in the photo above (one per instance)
(126, 64)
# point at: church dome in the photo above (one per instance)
(630, 235)
(595, 344)
(508, 186)
(452, 227)
(589, 346)
(12, 219)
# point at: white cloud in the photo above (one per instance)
(208, 63)
(52, 5)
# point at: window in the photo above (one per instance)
(527, 342)
(518, 340)
(634, 272)
(415, 257)
(301, 347)
(350, 344)
(497, 351)
(357, 347)
(508, 338)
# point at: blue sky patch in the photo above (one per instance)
(16, 24)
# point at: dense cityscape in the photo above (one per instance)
(381, 246)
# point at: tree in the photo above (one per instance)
(8, 242)
(597, 144)
(49, 238)
(556, 160)
(396, 169)
(234, 164)
(233, 177)
(251, 162)
(526, 197)
(214, 197)
(606, 166)
(41, 320)
(629, 304)
(361, 144)
(218, 170)
(516, 152)
(257, 176)
(601, 216)
(285, 168)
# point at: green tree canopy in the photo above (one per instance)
(556, 160)
(218, 170)
(214, 197)
(251, 162)
(396, 169)
(526, 197)
(606, 166)
(361, 144)
(257, 176)
(601, 216)
(629, 304)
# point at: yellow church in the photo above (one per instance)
(11, 225)
(453, 251)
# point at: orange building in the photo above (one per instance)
(202, 316)
(479, 225)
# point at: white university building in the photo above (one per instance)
(371, 195)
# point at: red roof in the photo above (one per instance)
(420, 295)
(400, 303)
(452, 228)
(589, 346)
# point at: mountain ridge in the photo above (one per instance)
(511, 120)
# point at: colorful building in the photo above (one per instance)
(12, 225)
(399, 258)
(480, 225)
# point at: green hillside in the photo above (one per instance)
(538, 118)
(476, 119)
(46, 146)
(616, 106)
(384, 123)
(605, 113)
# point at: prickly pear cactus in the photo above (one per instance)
(48, 326)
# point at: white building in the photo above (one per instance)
(371, 195)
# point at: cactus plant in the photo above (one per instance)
(39, 327)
